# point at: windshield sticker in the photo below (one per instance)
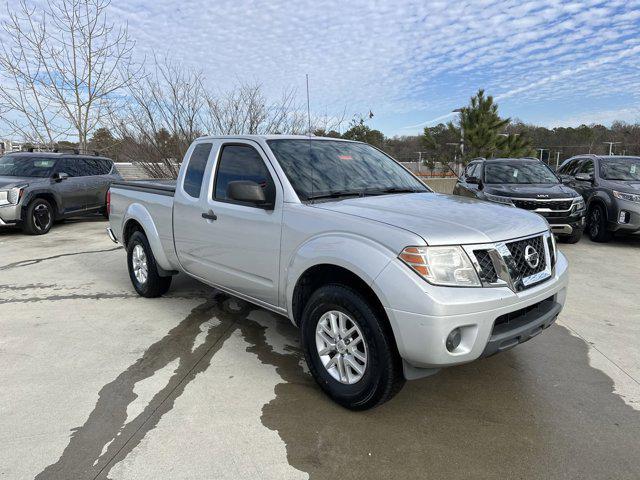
(515, 173)
(43, 163)
(633, 169)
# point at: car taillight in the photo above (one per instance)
(108, 202)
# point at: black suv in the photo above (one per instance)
(611, 187)
(38, 188)
(529, 184)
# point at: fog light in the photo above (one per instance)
(453, 340)
(623, 217)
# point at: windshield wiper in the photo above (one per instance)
(384, 191)
(337, 194)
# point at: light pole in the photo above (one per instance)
(611, 144)
(459, 110)
(542, 150)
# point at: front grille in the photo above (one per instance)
(487, 271)
(517, 250)
(552, 254)
(551, 205)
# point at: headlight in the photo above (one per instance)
(441, 265)
(632, 197)
(12, 196)
(498, 199)
(578, 204)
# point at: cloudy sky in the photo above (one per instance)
(411, 62)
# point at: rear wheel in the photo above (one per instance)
(598, 225)
(143, 269)
(348, 348)
(39, 217)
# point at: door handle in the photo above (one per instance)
(209, 215)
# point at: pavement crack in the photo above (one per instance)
(34, 261)
(108, 436)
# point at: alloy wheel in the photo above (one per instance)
(342, 347)
(139, 263)
(42, 217)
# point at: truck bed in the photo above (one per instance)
(160, 187)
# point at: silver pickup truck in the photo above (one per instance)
(385, 279)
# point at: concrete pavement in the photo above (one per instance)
(99, 383)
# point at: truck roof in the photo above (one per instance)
(271, 137)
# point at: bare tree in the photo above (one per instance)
(162, 117)
(244, 110)
(62, 67)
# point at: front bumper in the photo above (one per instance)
(423, 315)
(10, 214)
(631, 221)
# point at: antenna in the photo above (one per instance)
(313, 170)
(308, 106)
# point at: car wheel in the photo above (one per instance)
(349, 348)
(573, 238)
(39, 217)
(598, 225)
(143, 269)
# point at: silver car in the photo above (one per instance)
(386, 280)
(38, 188)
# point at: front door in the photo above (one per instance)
(234, 245)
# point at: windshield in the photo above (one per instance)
(22, 166)
(521, 172)
(322, 168)
(627, 168)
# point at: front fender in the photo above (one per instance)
(140, 214)
(361, 256)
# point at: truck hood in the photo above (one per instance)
(443, 219)
(8, 182)
(533, 190)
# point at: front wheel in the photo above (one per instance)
(349, 348)
(143, 270)
(598, 225)
(39, 217)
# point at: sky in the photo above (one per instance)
(547, 62)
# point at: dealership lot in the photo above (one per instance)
(99, 383)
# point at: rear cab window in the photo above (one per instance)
(192, 183)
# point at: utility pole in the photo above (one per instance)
(557, 159)
(611, 144)
(459, 110)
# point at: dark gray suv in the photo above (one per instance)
(38, 188)
(610, 186)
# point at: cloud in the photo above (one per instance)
(411, 59)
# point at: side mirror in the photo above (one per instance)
(58, 177)
(246, 191)
(584, 177)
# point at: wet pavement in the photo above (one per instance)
(99, 383)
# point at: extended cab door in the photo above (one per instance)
(227, 243)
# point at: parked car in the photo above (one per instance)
(39, 188)
(387, 280)
(530, 184)
(610, 186)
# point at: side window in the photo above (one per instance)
(586, 167)
(242, 162)
(104, 166)
(70, 166)
(90, 166)
(195, 170)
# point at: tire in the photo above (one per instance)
(573, 238)
(597, 225)
(381, 375)
(39, 217)
(148, 283)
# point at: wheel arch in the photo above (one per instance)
(138, 218)
(45, 195)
